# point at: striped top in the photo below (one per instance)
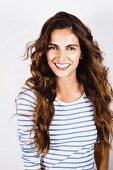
(72, 134)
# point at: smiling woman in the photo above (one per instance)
(63, 52)
(63, 110)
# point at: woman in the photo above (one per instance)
(63, 111)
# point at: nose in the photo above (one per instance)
(62, 55)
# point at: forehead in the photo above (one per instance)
(63, 35)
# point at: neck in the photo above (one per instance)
(68, 87)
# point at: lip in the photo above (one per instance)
(58, 66)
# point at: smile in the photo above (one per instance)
(62, 66)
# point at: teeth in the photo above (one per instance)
(62, 65)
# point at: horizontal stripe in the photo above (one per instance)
(26, 94)
(24, 99)
(78, 108)
(72, 134)
(22, 105)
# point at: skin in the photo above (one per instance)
(63, 50)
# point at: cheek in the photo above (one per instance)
(49, 56)
(75, 57)
(49, 60)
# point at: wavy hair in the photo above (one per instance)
(90, 72)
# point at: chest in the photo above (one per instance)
(74, 123)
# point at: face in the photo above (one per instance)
(63, 52)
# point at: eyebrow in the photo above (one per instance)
(69, 45)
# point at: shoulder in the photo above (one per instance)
(26, 95)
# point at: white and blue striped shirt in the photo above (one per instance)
(72, 134)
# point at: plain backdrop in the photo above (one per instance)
(20, 23)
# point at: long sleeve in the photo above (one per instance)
(25, 103)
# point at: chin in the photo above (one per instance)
(61, 75)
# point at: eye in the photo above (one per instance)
(52, 48)
(71, 48)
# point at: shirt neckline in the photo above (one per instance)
(75, 101)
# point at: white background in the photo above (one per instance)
(20, 22)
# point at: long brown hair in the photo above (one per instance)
(90, 72)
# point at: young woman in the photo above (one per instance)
(63, 110)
